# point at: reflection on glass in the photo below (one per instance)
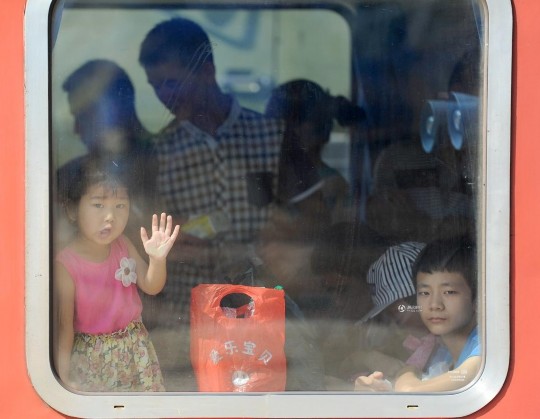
(337, 168)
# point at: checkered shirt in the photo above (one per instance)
(199, 174)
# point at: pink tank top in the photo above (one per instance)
(102, 303)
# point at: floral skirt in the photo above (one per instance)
(119, 361)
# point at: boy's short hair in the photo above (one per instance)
(177, 38)
(449, 255)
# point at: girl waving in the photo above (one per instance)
(100, 342)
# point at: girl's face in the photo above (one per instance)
(102, 214)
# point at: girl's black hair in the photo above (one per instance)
(449, 255)
(91, 171)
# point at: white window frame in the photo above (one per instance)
(495, 258)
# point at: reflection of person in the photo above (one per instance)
(100, 342)
(216, 159)
(311, 195)
(309, 112)
(426, 196)
(418, 196)
(102, 100)
(446, 295)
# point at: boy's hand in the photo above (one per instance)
(408, 378)
(373, 382)
(161, 242)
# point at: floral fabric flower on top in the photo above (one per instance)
(126, 272)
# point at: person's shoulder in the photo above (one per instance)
(473, 336)
(257, 117)
(70, 261)
(472, 346)
(173, 129)
(329, 173)
(257, 126)
(66, 253)
(251, 113)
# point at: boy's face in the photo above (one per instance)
(447, 307)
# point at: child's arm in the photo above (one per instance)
(151, 278)
(63, 314)
(408, 381)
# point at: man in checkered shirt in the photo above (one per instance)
(214, 156)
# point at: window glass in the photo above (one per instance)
(325, 163)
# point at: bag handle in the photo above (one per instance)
(237, 305)
(214, 293)
(207, 298)
(252, 298)
(227, 289)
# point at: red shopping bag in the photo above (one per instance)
(238, 349)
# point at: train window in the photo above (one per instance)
(340, 172)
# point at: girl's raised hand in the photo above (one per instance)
(161, 242)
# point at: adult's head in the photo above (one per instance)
(306, 109)
(102, 101)
(177, 57)
(309, 111)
